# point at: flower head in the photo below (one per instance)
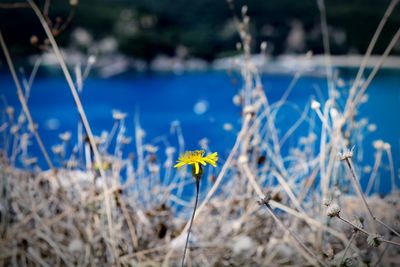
(374, 240)
(195, 158)
(333, 210)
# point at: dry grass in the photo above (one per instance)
(83, 215)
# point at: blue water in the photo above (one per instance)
(160, 99)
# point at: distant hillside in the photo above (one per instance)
(204, 28)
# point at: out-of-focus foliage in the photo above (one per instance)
(145, 28)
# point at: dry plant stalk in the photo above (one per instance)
(147, 215)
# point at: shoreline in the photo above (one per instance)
(109, 65)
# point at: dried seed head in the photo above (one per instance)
(326, 201)
(125, 140)
(243, 159)
(227, 127)
(72, 163)
(91, 60)
(328, 251)
(30, 161)
(10, 111)
(303, 140)
(315, 105)
(14, 129)
(347, 154)
(117, 115)
(57, 149)
(372, 127)
(266, 199)
(150, 148)
(363, 122)
(373, 240)
(204, 143)
(340, 83)
(367, 169)
(312, 137)
(237, 100)
(348, 262)
(378, 144)
(102, 139)
(249, 110)
(66, 136)
(333, 210)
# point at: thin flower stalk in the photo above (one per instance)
(309, 255)
(347, 248)
(367, 233)
(357, 186)
(196, 160)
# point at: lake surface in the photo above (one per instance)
(202, 102)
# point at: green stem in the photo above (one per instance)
(191, 220)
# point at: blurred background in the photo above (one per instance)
(205, 29)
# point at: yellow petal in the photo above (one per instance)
(215, 154)
(212, 162)
(178, 165)
(197, 168)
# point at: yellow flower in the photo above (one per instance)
(105, 166)
(196, 158)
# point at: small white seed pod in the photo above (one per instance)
(91, 60)
(250, 109)
(373, 240)
(66, 136)
(378, 144)
(117, 115)
(333, 210)
(315, 105)
(326, 201)
(348, 262)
